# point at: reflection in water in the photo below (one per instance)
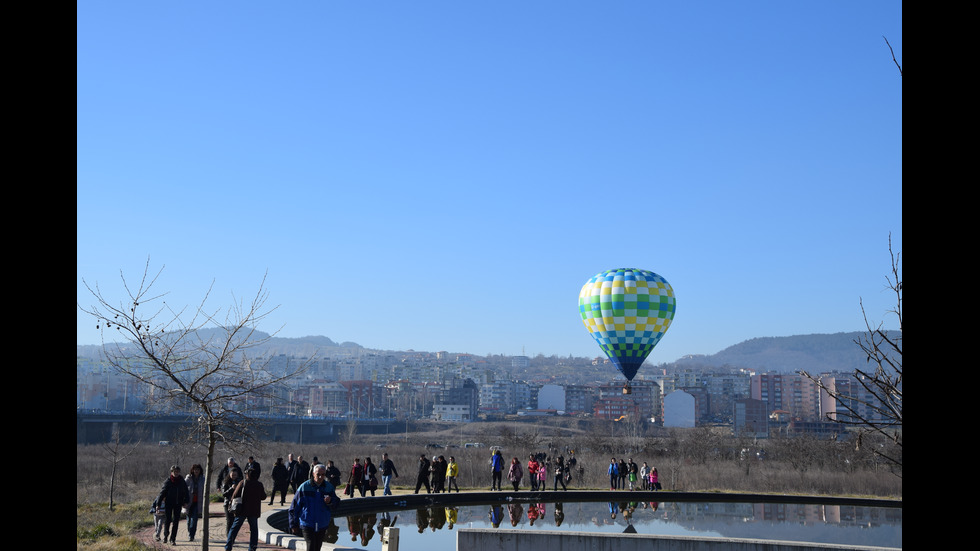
(832, 524)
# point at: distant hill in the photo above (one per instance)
(302, 347)
(813, 353)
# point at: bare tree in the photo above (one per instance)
(200, 361)
(116, 454)
(873, 404)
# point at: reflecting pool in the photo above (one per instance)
(434, 527)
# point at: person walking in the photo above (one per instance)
(623, 471)
(452, 472)
(227, 491)
(311, 511)
(496, 470)
(173, 496)
(613, 472)
(252, 493)
(438, 469)
(631, 474)
(157, 510)
(560, 473)
(355, 479)
(333, 474)
(280, 481)
(654, 479)
(387, 471)
(544, 464)
(370, 477)
(253, 465)
(300, 474)
(291, 466)
(515, 473)
(645, 476)
(532, 472)
(225, 472)
(423, 475)
(195, 490)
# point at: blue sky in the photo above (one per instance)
(437, 175)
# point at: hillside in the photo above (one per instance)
(814, 353)
(819, 352)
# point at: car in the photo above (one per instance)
(433, 447)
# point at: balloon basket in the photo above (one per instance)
(627, 389)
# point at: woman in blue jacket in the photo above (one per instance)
(310, 513)
(613, 473)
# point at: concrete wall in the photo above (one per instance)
(520, 540)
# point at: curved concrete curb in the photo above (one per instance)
(273, 536)
(272, 518)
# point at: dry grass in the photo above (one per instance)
(695, 460)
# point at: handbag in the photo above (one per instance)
(236, 502)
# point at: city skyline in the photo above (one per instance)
(444, 177)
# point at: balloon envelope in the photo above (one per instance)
(627, 311)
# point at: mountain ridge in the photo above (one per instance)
(814, 352)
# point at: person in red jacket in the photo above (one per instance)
(532, 471)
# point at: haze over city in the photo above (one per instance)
(446, 176)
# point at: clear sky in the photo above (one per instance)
(446, 175)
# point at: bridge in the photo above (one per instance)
(95, 427)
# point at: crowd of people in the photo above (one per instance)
(438, 475)
(626, 475)
(314, 487)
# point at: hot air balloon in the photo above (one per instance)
(627, 311)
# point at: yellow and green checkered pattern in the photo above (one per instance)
(627, 311)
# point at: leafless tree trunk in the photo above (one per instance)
(199, 361)
(877, 407)
(115, 454)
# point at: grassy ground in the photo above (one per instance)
(694, 460)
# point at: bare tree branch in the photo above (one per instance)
(199, 360)
(892, 50)
(875, 406)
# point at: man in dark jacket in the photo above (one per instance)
(173, 496)
(253, 465)
(300, 474)
(226, 471)
(291, 467)
(423, 478)
(387, 470)
(280, 481)
(333, 474)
